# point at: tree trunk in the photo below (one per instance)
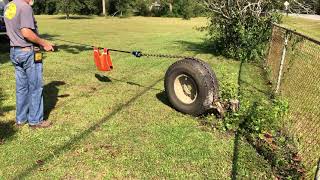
(318, 7)
(67, 13)
(104, 7)
(67, 8)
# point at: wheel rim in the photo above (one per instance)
(185, 89)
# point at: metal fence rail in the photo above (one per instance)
(294, 66)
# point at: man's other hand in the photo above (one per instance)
(31, 36)
(47, 46)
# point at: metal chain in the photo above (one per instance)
(135, 53)
(165, 56)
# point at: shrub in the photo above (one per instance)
(318, 7)
(263, 116)
(241, 30)
(228, 86)
(260, 123)
(282, 153)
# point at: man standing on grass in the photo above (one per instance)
(23, 33)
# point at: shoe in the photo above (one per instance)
(43, 124)
(19, 125)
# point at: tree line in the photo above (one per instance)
(169, 8)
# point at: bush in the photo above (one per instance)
(260, 123)
(142, 9)
(228, 86)
(257, 117)
(318, 7)
(282, 153)
(263, 116)
(241, 32)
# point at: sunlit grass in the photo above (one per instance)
(118, 124)
(303, 25)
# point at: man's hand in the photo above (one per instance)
(48, 46)
(32, 37)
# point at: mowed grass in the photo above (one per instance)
(306, 26)
(119, 124)
(301, 87)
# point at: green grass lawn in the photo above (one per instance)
(119, 124)
(301, 87)
(303, 25)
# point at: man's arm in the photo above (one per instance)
(32, 37)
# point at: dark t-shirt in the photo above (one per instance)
(17, 15)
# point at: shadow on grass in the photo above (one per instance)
(4, 49)
(74, 49)
(7, 130)
(235, 159)
(103, 78)
(4, 109)
(162, 97)
(205, 47)
(69, 145)
(67, 46)
(107, 79)
(51, 97)
(74, 17)
(48, 37)
(253, 88)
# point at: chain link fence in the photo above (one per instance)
(293, 64)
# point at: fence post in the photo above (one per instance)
(283, 57)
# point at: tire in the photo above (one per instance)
(191, 86)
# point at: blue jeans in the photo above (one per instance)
(29, 90)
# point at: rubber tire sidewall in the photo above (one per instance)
(197, 72)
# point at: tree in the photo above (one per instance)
(121, 7)
(89, 7)
(142, 7)
(45, 7)
(302, 7)
(315, 6)
(68, 6)
(240, 28)
(84, 7)
(183, 8)
(176, 8)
